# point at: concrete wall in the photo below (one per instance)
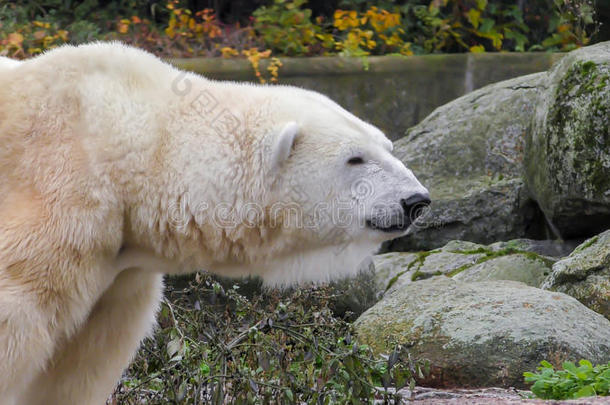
(392, 92)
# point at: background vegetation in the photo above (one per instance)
(264, 28)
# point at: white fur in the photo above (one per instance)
(6, 63)
(116, 167)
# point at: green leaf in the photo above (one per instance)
(487, 25)
(204, 368)
(289, 395)
(474, 17)
(519, 38)
(570, 367)
(481, 4)
(586, 363)
(586, 391)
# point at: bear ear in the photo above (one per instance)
(280, 144)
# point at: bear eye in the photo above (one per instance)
(355, 161)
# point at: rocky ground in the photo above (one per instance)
(511, 265)
(488, 396)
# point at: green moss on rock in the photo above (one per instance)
(568, 149)
(577, 124)
(521, 263)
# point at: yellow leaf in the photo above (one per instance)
(63, 34)
(477, 49)
(48, 40)
(228, 52)
(406, 49)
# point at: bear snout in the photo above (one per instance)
(414, 206)
(399, 216)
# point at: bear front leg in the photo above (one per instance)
(25, 344)
(86, 369)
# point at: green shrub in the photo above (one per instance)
(571, 382)
(216, 346)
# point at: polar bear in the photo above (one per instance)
(117, 168)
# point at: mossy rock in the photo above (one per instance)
(530, 270)
(391, 267)
(545, 247)
(568, 148)
(516, 260)
(469, 154)
(585, 274)
(484, 334)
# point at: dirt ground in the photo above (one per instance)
(488, 396)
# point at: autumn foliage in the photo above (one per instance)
(289, 28)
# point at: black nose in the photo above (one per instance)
(415, 206)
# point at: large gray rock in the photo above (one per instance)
(485, 333)
(469, 154)
(585, 274)
(516, 260)
(568, 148)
